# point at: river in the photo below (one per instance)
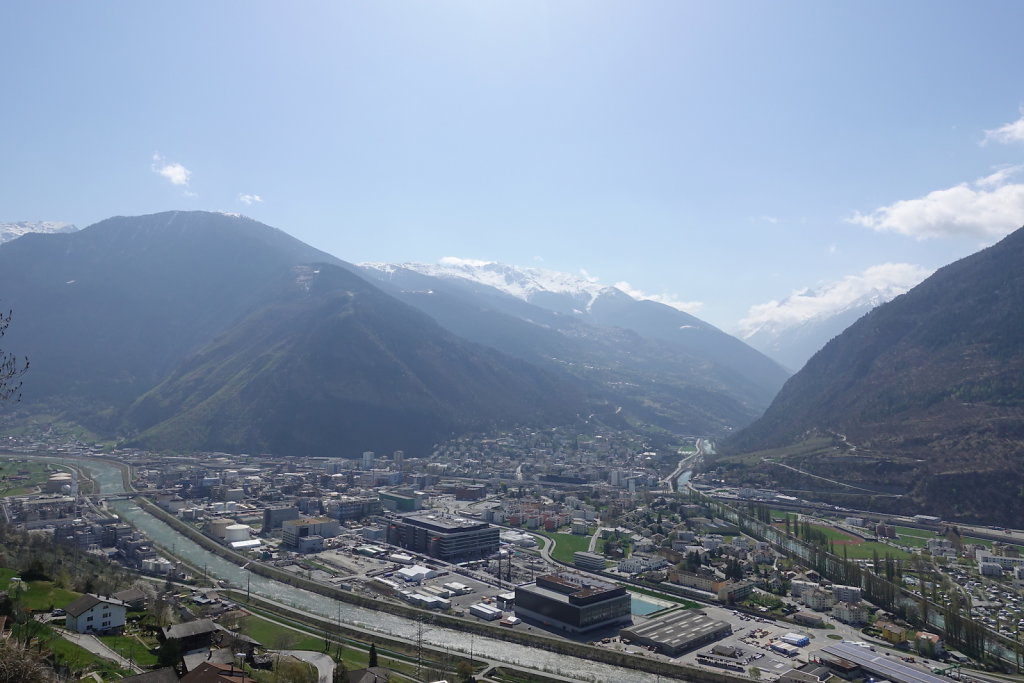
(108, 478)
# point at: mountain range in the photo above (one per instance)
(207, 331)
(666, 367)
(10, 231)
(922, 398)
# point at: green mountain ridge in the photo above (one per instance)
(929, 388)
(324, 362)
(194, 330)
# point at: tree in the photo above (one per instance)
(169, 653)
(373, 655)
(465, 671)
(18, 665)
(11, 368)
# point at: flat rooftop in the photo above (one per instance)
(878, 663)
(444, 523)
(677, 630)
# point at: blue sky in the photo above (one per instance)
(724, 154)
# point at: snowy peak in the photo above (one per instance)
(792, 330)
(864, 291)
(12, 231)
(527, 284)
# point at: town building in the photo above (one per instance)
(704, 582)
(733, 592)
(591, 562)
(348, 508)
(399, 502)
(96, 614)
(855, 613)
(1004, 561)
(809, 619)
(273, 518)
(818, 599)
(450, 539)
(572, 602)
(678, 632)
(845, 657)
(846, 593)
(212, 672)
(295, 529)
(192, 636)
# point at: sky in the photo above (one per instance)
(738, 159)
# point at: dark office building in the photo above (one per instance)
(274, 517)
(573, 602)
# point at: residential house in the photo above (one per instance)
(96, 614)
(212, 672)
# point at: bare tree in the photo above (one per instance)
(11, 368)
(18, 665)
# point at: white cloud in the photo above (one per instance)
(250, 199)
(988, 207)
(1006, 134)
(175, 172)
(875, 285)
(672, 300)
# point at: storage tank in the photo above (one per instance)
(57, 481)
(218, 527)
(236, 532)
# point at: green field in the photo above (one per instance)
(35, 471)
(912, 541)
(40, 595)
(856, 549)
(911, 531)
(867, 550)
(274, 636)
(277, 636)
(131, 648)
(566, 545)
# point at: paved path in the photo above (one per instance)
(323, 663)
(98, 648)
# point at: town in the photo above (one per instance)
(592, 537)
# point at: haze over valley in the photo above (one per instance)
(514, 341)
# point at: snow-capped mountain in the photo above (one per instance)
(528, 284)
(794, 329)
(11, 231)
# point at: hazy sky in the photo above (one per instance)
(725, 154)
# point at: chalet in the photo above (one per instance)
(192, 635)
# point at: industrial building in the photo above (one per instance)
(446, 538)
(678, 632)
(573, 602)
(348, 508)
(295, 529)
(273, 518)
(889, 668)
